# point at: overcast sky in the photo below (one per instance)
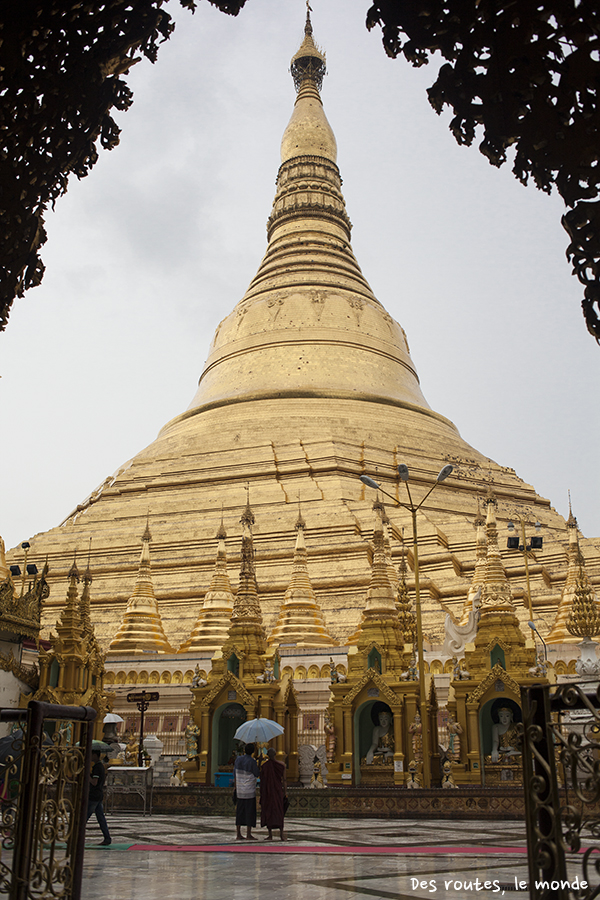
(147, 254)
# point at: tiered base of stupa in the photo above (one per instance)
(315, 450)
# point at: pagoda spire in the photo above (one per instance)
(141, 628)
(246, 606)
(246, 633)
(72, 669)
(69, 627)
(499, 636)
(575, 588)
(85, 604)
(300, 620)
(406, 614)
(380, 624)
(480, 565)
(309, 317)
(246, 638)
(212, 626)
(387, 548)
(495, 590)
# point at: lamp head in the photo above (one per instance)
(443, 474)
(511, 526)
(403, 472)
(532, 626)
(369, 482)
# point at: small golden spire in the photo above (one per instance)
(300, 523)
(573, 602)
(212, 625)
(247, 518)
(141, 628)
(495, 589)
(300, 619)
(147, 537)
(308, 26)
(85, 603)
(571, 521)
(479, 519)
(69, 627)
(406, 615)
(246, 606)
(74, 571)
(380, 594)
(480, 565)
(221, 533)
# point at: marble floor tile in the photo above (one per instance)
(323, 859)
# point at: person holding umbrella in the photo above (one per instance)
(246, 772)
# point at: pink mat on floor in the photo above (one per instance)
(285, 847)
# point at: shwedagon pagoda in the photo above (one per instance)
(309, 384)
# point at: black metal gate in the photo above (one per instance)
(44, 766)
(561, 769)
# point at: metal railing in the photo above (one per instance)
(311, 727)
(44, 767)
(561, 774)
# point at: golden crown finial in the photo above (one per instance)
(571, 521)
(308, 26)
(74, 571)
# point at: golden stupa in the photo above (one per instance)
(309, 384)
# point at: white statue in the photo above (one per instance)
(382, 739)
(505, 738)
(459, 635)
(459, 672)
(541, 666)
(197, 679)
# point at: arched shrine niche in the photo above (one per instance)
(499, 741)
(227, 718)
(374, 742)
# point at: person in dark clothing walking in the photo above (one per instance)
(96, 795)
(246, 772)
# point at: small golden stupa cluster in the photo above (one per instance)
(300, 620)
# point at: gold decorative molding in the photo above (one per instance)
(29, 675)
(493, 675)
(22, 615)
(228, 678)
(375, 678)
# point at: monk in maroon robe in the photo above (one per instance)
(272, 791)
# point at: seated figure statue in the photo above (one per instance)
(505, 738)
(382, 739)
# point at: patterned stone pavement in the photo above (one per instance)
(181, 857)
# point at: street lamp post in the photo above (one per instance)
(533, 627)
(413, 509)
